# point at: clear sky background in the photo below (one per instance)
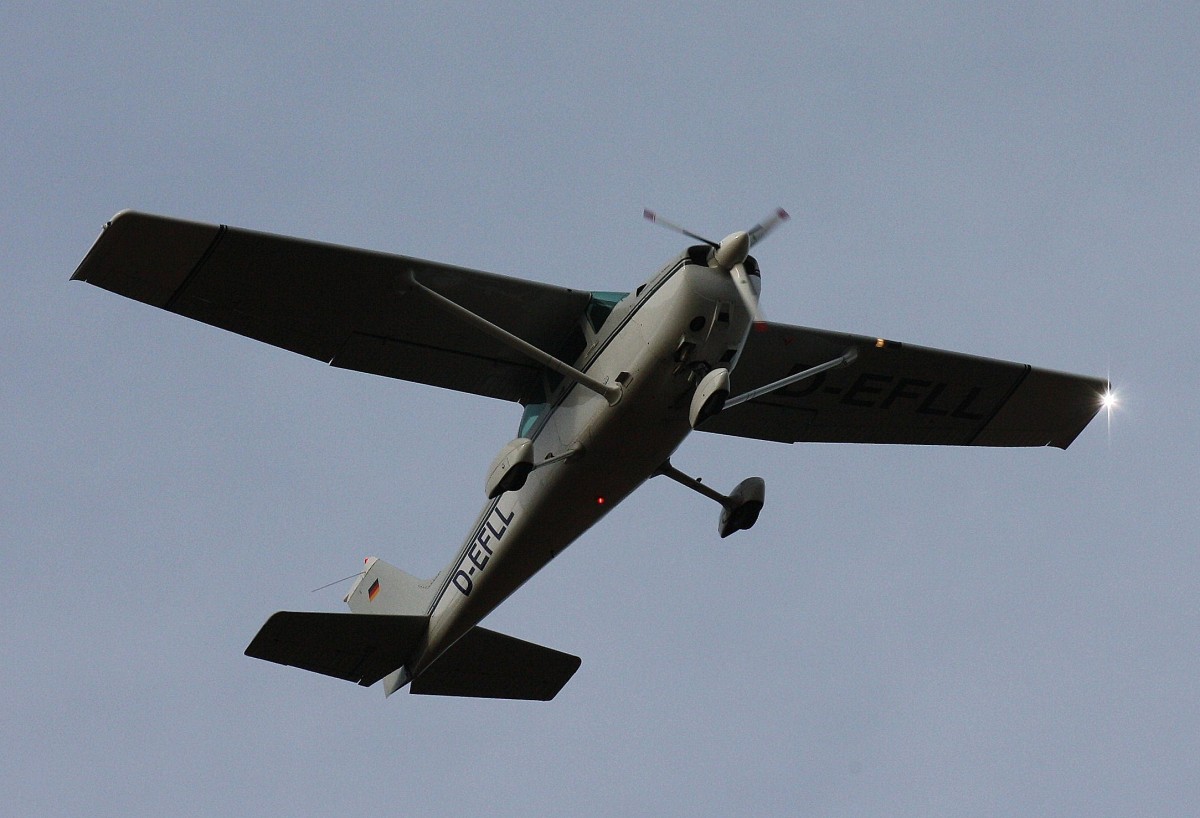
(907, 631)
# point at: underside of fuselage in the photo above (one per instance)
(656, 344)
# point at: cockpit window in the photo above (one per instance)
(601, 306)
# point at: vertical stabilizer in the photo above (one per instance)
(385, 589)
(390, 615)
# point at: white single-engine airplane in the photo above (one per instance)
(611, 383)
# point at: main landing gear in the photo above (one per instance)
(739, 510)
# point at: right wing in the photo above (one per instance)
(901, 393)
(340, 305)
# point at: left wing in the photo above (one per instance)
(900, 393)
(340, 305)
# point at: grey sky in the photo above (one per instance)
(907, 631)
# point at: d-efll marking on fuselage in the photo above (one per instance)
(478, 551)
(611, 383)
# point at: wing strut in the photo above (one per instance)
(610, 393)
(845, 359)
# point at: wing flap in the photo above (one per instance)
(323, 300)
(491, 665)
(901, 393)
(360, 648)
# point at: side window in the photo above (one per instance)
(569, 351)
(601, 306)
(530, 418)
(572, 347)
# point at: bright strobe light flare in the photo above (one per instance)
(1108, 402)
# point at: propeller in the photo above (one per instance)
(760, 231)
(651, 216)
(730, 255)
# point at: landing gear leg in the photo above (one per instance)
(739, 509)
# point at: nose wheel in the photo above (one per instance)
(739, 509)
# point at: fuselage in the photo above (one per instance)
(656, 343)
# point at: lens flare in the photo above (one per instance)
(1108, 402)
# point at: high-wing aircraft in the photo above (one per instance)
(610, 382)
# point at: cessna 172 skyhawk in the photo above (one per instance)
(611, 384)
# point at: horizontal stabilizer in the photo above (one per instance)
(361, 648)
(490, 665)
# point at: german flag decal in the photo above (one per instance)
(373, 590)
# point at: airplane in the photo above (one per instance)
(611, 383)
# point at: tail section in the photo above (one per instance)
(384, 632)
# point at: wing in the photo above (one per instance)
(337, 304)
(899, 393)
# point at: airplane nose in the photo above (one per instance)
(732, 250)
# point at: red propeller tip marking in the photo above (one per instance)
(781, 213)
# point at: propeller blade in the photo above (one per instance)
(749, 297)
(759, 231)
(651, 216)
